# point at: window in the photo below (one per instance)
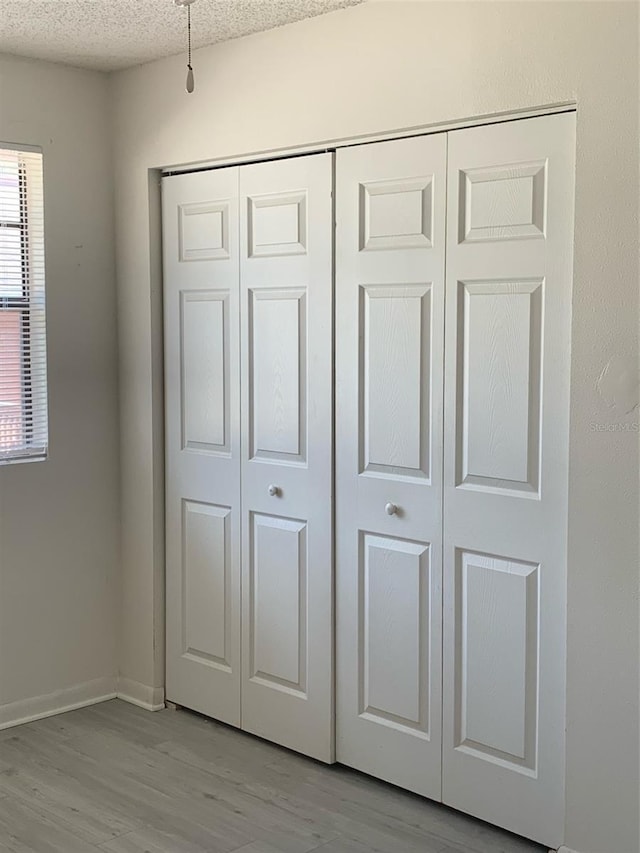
(23, 368)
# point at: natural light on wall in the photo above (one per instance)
(23, 356)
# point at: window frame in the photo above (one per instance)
(28, 451)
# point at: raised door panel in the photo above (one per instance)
(277, 224)
(202, 441)
(287, 462)
(204, 344)
(203, 233)
(503, 202)
(393, 654)
(499, 384)
(396, 214)
(509, 278)
(206, 583)
(395, 379)
(497, 665)
(390, 237)
(279, 602)
(278, 373)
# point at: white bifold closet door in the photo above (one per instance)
(390, 244)
(202, 441)
(286, 272)
(508, 329)
(249, 430)
(493, 525)
(451, 458)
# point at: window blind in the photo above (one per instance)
(23, 356)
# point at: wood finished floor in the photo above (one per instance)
(118, 779)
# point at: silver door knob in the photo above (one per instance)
(391, 509)
(274, 491)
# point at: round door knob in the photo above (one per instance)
(274, 491)
(391, 509)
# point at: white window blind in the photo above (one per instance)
(23, 356)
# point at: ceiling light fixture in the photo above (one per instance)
(190, 81)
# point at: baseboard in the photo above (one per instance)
(564, 849)
(58, 702)
(149, 698)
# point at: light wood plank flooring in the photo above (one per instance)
(118, 779)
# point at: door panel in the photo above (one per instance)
(278, 373)
(498, 388)
(396, 325)
(202, 439)
(204, 345)
(497, 620)
(509, 250)
(206, 574)
(278, 626)
(287, 492)
(394, 607)
(389, 363)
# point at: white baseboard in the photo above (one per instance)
(564, 849)
(58, 702)
(149, 698)
(80, 696)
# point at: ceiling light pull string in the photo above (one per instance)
(190, 80)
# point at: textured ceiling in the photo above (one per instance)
(111, 34)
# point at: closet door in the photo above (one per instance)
(390, 242)
(287, 426)
(509, 270)
(202, 438)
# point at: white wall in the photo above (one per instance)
(59, 521)
(387, 66)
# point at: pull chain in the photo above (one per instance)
(190, 80)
